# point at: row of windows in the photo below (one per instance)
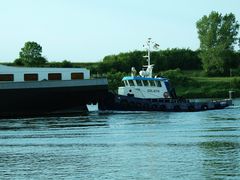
(142, 83)
(34, 77)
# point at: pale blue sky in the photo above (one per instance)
(88, 30)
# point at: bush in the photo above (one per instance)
(66, 64)
(177, 78)
(235, 83)
(115, 80)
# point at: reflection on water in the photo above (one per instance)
(123, 145)
(221, 145)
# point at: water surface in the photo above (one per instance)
(137, 145)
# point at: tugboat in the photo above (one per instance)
(147, 93)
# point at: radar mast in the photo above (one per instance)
(149, 45)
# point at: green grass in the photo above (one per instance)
(209, 87)
(194, 73)
(213, 79)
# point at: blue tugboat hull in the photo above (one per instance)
(128, 103)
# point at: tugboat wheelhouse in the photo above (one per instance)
(142, 87)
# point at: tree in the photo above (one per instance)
(31, 55)
(217, 35)
(66, 64)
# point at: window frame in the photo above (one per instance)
(6, 77)
(26, 77)
(131, 83)
(75, 75)
(151, 83)
(55, 76)
(158, 83)
(139, 83)
(145, 83)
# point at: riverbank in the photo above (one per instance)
(210, 87)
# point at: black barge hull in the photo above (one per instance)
(46, 98)
(128, 103)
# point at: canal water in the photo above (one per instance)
(139, 145)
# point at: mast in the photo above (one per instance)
(149, 52)
(149, 44)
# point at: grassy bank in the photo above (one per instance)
(206, 87)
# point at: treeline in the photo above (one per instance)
(184, 59)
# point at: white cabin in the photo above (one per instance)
(145, 86)
(21, 74)
(141, 87)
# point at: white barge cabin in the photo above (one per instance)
(22, 74)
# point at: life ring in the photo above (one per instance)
(165, 94)
(204, 107)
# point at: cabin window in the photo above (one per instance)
(75, 76)
(125, 83)
(6, 77)
(30, 77)
(145, 83)
(158, 83)
(151, 83)
(131, 83)
(139, 82)
(54, 76)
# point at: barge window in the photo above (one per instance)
(139, 82)
(158, 83)
(152, 83)
(145, 83)
(54, 76)
(6, 77)
(131, 82)
(75, 76)
(30, 77)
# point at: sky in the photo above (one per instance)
(88, 30)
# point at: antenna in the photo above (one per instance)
(149, 45)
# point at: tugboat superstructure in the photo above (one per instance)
(144, 85)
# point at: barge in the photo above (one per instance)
(47, 91)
